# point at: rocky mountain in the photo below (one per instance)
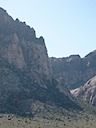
(74, 70)
(19, 45)
(87, 92)
(25, 73)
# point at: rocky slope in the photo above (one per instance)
(25, 73)
(87, 92)
(73, 69)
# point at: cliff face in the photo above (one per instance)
(19, 45)
(74, 70)
(89, 66)
(25, 73)
(87, 92)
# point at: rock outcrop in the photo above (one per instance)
(19, 45)
(73, 69)
(25, 73)
(87, 92)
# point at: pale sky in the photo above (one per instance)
(68, 26)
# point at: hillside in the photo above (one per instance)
(25, 73)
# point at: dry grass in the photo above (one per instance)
(77, 121)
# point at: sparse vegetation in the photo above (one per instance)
(80, 121)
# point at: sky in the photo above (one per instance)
(68, 26)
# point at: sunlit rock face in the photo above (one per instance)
(87, 92)
(74, 69)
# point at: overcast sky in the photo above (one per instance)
(68, 26)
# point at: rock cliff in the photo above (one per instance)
(87, 92)
(73, 69)
(19, 45)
